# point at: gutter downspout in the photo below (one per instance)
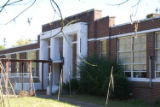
(150, 71)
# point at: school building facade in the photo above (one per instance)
(135, 46)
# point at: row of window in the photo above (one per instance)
(30, 55)
(131, 54)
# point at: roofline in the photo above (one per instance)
(18, 46)
(142, 20)
(73, 15)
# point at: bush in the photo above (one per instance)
(94, 79)
(73, 85)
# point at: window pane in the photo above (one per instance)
(158, 40)
(127, 67)
(104, 46)
(139, 67)
(157, 67)
(18, 64)
(125, 44)
(34, 65)
(158, 74)
(31, 55)
(125, 57)
(139, 42)
(139, 74)
(158, 56)
(128, 74)
(140, 57)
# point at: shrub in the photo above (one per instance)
(94, 79)
(73, 85)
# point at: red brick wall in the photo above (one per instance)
(113, 48)
(102, 27)
(143, 91)
(87, 16)
(143, 25)
(150, 49)
(91, 48)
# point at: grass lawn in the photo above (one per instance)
(36, 102)
(48, 101)
(112, 103)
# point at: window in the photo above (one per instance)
(124, 54)
(18, 63)
(132, 55)
(9, 63)
(103, 48)
(32, 56)
(157, 55)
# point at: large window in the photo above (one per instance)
(32, 56)
(18, 63)
(132, 55)
(157, 54)
(103, 48)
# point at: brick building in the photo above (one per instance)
(139, 52)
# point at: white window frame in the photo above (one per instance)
(132, 57)
(156, 49)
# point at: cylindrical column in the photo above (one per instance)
(44, 56)
(55, 53)
(67, 54)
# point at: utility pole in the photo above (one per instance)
(4, 42)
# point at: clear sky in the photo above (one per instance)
(42, 13)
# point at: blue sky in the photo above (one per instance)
(42, 13)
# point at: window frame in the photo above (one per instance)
(132, 51)
(156, 49)
(102, 48)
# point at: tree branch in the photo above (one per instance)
(121, 3)
(20, 13)
(4, 6)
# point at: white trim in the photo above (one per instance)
(68, 30)
(57, 61)
(133, 33)
(75, 42)
(20, 51)
(19, 46)
(139, 79)
(92, 39)
(144, 79)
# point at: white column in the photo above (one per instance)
(55, 53)
(44, 56)
(67, 54)
(82, 45)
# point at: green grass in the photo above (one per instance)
(48, 101)
(112, 103)
(36, 102)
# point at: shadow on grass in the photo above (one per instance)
(94, 101)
